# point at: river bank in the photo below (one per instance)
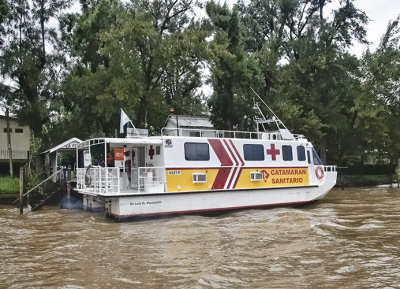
(351, 181)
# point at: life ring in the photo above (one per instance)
(319, 172)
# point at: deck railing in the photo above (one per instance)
(330, 168)
(110, 181)
(213, 133)
(193, 132)
(151, 179)
(98, 180)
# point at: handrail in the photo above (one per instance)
(217, 132)
(101, 179)
(330, 168)
(32, 189)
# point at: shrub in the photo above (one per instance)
(9, 185)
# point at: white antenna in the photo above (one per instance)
(285, 133)
(260, 120)
(275, 118)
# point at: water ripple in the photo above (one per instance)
(349, 239)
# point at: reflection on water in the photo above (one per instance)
(349, 239)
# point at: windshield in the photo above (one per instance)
(316, 159)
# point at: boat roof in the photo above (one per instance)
(70, 144)
(121, 141)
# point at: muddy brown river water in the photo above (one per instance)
(350, 239)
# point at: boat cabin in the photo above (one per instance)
(208, 160)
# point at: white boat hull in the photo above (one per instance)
(144, 205)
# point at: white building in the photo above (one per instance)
(188, 125)
(53, 155)
(20, 139)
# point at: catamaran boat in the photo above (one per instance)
(192, 171)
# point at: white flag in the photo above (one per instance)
(123, 121)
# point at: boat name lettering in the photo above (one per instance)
(287, 181)
(279, 172)
(145, 203)
(174, 172)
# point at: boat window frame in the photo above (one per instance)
(316, 159)
(301, 153)
(286, 156)
(197, 155)
(309, 157)
(253, 153)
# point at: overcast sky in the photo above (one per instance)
(380, 13)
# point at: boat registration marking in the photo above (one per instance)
(174, 172)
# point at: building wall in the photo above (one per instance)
(20, 138)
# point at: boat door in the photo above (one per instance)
(138, 160)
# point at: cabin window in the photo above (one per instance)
(5, 130)
(309, 157)
(287, 153)
(316, 159)
(19, 130)
(253, 152)
(158, 148)
(197, 151)
(301, 153)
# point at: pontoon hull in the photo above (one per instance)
(146, 205)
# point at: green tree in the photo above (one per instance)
(308, 78)
(88, 74)
(170, 48)
(233, 71)
(378, 106)
(146, 56)
(4, 13)
(29, 59)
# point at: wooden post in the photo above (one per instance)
(9, 144)
(21, 190)
(68, 196)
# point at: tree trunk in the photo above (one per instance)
(142, 113)
(9, 144)
(227, 108)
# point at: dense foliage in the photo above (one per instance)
(69, 73)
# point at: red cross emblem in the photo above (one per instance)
(151, 152)
(273, 152)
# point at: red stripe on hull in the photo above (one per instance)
(237, 179)
(240, 158)
(230, 151)
(220, 179)
(220, 151)
(233, 175)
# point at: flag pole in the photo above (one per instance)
(134, 128)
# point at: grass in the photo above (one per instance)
(9, 185)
